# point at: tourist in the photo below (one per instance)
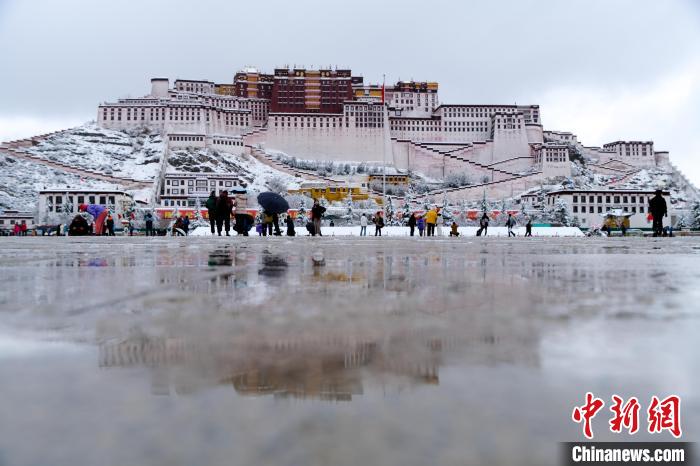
(431, 218)
(528, 227)
(331, 224)
(17, 230)
(110, 225)
(483, 225)
(178, 229)
(290, 225)
(658, 210)
(316, 214)
(510, 223)
(276, 224)
(412, 223)
(223, 213)
(378, 224)
(259, 228)
(624, 225)
(149, 224)
(131, 226)
(266, 223)
(420, 223)
(186, 224)
(453, 229)
(211, 210)
(79, 226)
(242, 217)
(363, 225)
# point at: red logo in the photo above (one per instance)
(661, 415)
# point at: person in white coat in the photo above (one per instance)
(363, 225)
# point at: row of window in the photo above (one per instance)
(616, 199)
(599, 209)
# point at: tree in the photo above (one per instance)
(560, 213)
(276, 185)
(484, 204)
(695, 215)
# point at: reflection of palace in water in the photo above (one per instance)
(327, 367)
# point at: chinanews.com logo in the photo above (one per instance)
(660, 416)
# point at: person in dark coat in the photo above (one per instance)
(378, 224)
(290, 226)
(317, 212)
(658, 210)
(186, 224)
(79, 226)
(412, 223)
(223, 213)
(149, 224)
(276, 224)
(484, 224)
(110, 225)
(528, 228)
(211, 209)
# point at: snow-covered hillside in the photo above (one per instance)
(20, 180)
(134, 155)
(256, 174)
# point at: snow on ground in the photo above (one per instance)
(127, 155)
(255, 173)
(20, 181)
(404, 231)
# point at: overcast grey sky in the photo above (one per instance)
(603, 69)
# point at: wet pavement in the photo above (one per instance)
(342, 351)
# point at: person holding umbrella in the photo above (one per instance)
(273, 204)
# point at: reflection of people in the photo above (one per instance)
(658, 210)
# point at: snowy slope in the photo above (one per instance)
(136, 155)
(20, 180)
(256, 174)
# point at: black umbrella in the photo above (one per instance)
(273, 203)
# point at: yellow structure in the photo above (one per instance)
(225, 89)
(397, 180)
(331, 193)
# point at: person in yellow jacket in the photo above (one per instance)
(431, 218)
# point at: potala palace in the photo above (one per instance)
(330, 114)
(188, 137)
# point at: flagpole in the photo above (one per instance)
(384, 150)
